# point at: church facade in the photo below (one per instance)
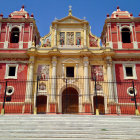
(67, 70)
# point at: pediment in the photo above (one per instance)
(70, 19)
(70, 61)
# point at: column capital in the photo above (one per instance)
(54, 59)
(54, 63)
(85, 58)
(109, 60)
(32, 58)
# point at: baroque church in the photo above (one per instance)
(67, 70)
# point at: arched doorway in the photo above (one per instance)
(100, 104)
(70, 100)
(41, 104)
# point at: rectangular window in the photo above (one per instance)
(69, 71)
(11, 71)
(129, 71)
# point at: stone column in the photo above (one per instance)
(110, 80)
(109, 35)
(77, 71)
(6, 36)
(30, 35)
(53, 89)
(21, 36)
(87, 105)
(63, 70)
(135, 44)
(119, 36)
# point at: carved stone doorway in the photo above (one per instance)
(70, 101)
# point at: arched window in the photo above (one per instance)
(126, 35)
(14, 35)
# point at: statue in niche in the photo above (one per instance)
(70, 38)
(62, 38)
(78, 38)
(42, 86)
(97, 71)
(43, 72)
(47, 41)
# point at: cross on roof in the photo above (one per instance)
(70, 7)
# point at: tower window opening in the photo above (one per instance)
(126, 35)
(14, 35)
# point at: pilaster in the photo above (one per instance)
(55, 35)
(85, 40)
(29, 86)
(109, 76)
(54, 63)
(86, 80)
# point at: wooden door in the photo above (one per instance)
(41, 104)
(70, 101)
(100, 101)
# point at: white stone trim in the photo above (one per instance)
(10, 87)
(29, 44)
(110, 44)
(14, 26)
(133, 70)
(31, 33)
(7, 71)
(20, 44)
(126, 26)
(119, 45)
(5, 44)
(135, 44)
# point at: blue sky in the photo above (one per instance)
(45, 11)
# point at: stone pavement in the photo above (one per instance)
(69, 127)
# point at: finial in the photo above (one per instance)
(131, 15)
(118, 8)
(84, 18)
(22, 7)
(55, 18)
(107, 15)
(32, 15)
(70, 10)
(1, 15)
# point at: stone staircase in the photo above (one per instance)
(69, 127)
